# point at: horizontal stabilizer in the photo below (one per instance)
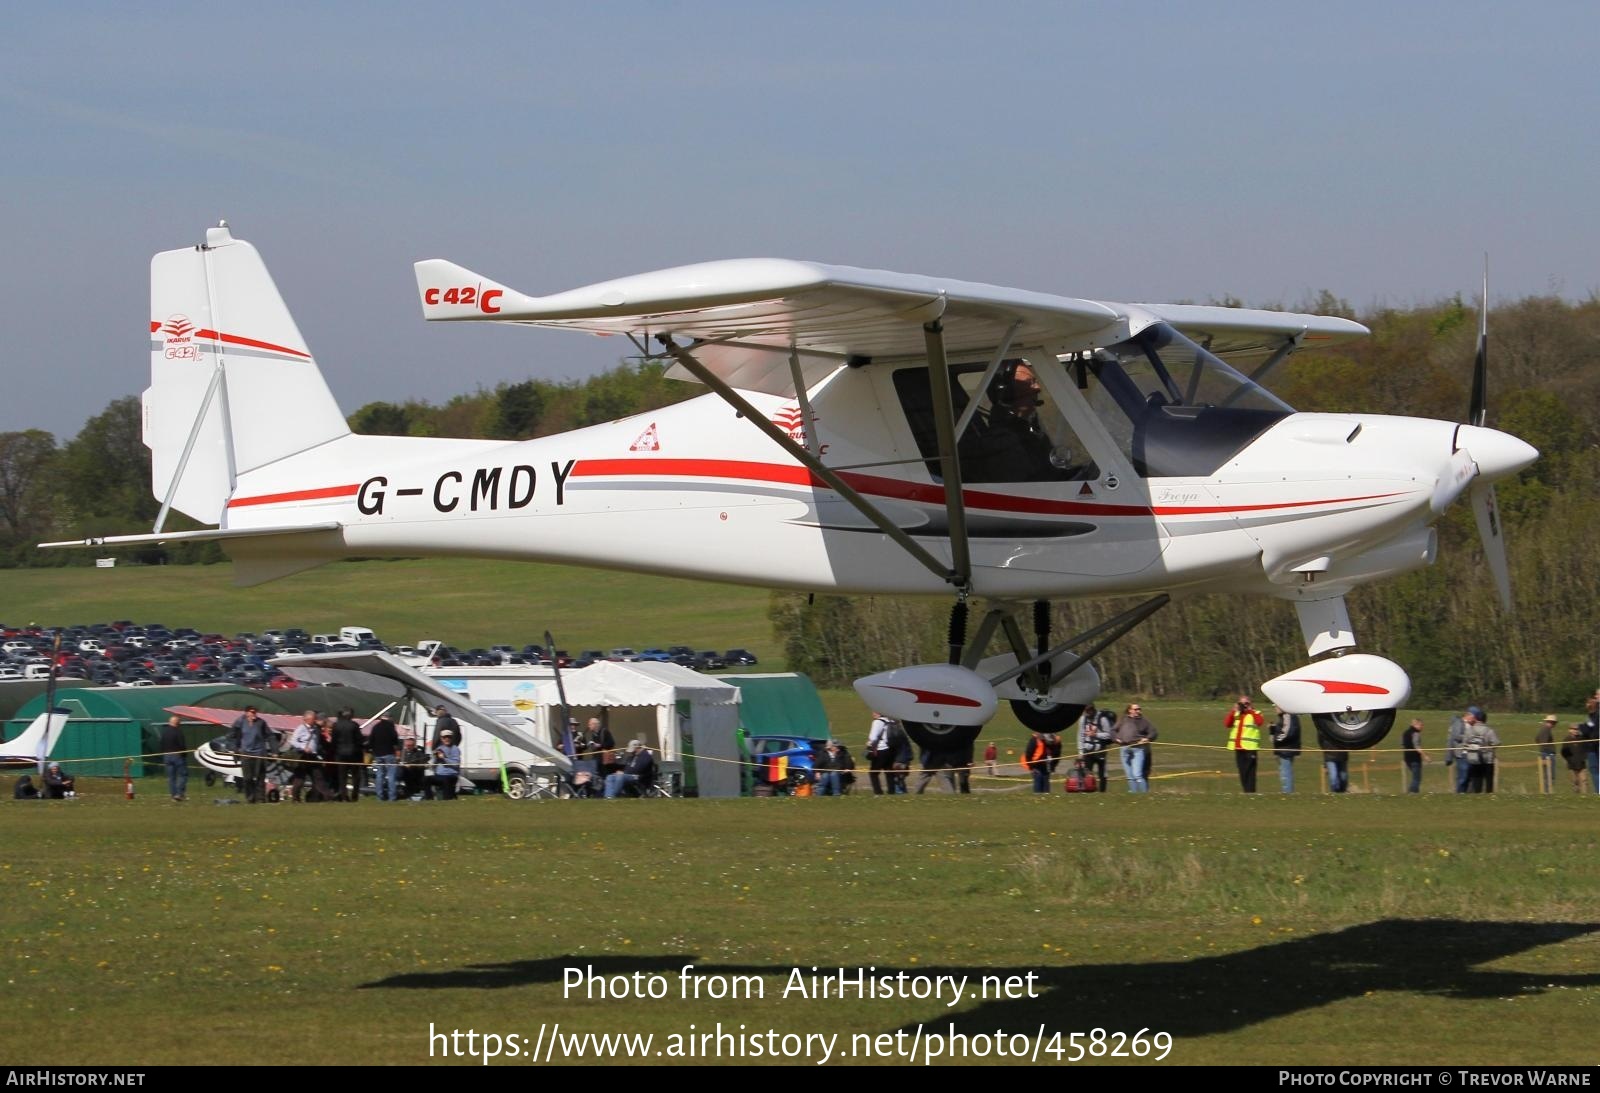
(202, 536)
(259, 554)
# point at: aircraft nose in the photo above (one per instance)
(1498, 455)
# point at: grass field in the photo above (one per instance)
(1305, 929)
(1371, 927)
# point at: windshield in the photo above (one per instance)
(1175, 409)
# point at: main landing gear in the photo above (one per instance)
(1352, 698)
(944, 707)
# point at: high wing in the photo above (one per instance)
(761, 321)
(1240, 334)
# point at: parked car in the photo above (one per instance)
(743, 658)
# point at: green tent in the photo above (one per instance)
(108, 724)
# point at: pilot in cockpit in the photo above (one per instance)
(1008, 442)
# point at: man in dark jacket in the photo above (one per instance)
(638, 771)
(442, 724)
(1412, 755)
(175, 757)
(1591, 741)
(385, 745)
(347, 755)
(1285, 746)
(58, 784)
(834, 769)
(252, 741)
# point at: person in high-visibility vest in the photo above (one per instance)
(1036, 760)
(1244, 738)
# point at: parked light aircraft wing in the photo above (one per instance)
(387, 674)
(216, 715)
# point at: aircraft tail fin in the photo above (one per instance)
(233, 386)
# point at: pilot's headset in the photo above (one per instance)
(1002, 390)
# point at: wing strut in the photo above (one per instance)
(829, 477)
(1281, 354)
(988, 375)
(804, 399)
(944, 422)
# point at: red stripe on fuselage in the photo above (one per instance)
(896, 489)
(892, 488)
(294, 495)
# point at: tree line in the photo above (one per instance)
(1443, 623)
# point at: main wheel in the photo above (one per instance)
(1047, 716)
(516, 785)
(1354, 729)
(926, 734)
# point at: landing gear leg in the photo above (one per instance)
(1041, 671)
(951, 738)
(1352, 697)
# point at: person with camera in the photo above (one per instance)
(1096, 733)
(1244, 740)
(446, 767)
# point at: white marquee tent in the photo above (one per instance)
(691, 721)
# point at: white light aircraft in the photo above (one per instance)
(865, 432)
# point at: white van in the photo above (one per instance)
(507, 694)
(355, 635)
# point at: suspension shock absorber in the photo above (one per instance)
(1041, 637)
(958, 630)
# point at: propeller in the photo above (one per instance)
(1484, 508)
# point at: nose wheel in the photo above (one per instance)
(1354, 729)
(1046, 716)
(935, 737)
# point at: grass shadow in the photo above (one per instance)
(1194, 997)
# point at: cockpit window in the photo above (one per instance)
(1017, 433)
(1175, 409)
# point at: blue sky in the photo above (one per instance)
(1136, 151)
